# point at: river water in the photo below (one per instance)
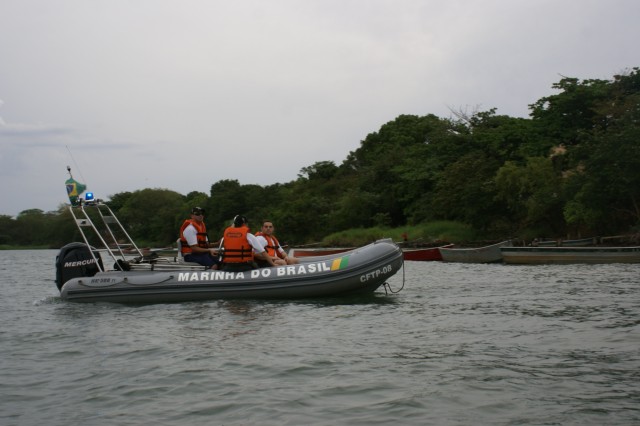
(461, 344)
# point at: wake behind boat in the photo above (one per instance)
(82, 274)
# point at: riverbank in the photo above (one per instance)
(10, 247)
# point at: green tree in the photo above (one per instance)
(402, 161)
(466, 192)
(605, 187)
(228, 198)
(601, 165)
(561, 118)
(32, 227)
(8, 231)
(506, 138)
(532, 195)
(117, 201)
(153, 216)
(62, 228)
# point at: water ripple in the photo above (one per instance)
(461, 344)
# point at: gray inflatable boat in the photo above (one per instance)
(82, 277)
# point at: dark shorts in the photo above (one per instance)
(262, 263)
(239, 267)
(205, 259)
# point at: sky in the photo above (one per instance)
(180, 94)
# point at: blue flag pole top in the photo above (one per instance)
(74, 189)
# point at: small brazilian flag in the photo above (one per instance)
(339, 263)
(74, 189)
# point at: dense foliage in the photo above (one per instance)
(569, 170)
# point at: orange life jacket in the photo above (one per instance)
(236, 246)
(201, 230)
(272, 244)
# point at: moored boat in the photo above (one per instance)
(486, 254)
(582, 242)
(568, 255)
(415, 254)
(83, 273)
(424, 253)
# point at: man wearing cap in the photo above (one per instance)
(195, 242)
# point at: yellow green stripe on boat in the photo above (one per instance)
(339, 263)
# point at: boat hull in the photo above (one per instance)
(487, 254)
(361, 270)
(414, 254)
(582, 242)
(569, 255)
(424, 254)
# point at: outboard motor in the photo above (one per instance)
(75, 260)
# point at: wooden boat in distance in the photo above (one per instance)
(567, 255)
(582, 242)
(424, 253)
(486, 254)
(416, 254)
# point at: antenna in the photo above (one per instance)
(76, 164)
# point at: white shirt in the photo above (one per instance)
(263, 243)
(255, 243)
(191, 235)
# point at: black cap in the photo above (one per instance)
(239, 220)
(197, 210)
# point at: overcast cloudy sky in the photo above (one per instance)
(181, 94)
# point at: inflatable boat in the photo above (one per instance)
(83, 274)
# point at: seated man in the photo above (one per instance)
(195, 242)
(239, 247)
(273, 248)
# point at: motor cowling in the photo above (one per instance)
(75, 260)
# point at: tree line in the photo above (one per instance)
(571, 169)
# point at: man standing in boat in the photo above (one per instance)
(239, 247)
(273, 247)
(195, 242)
